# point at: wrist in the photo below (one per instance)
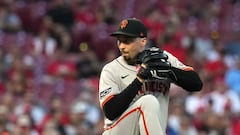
(140, 79)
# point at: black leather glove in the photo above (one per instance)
(154, 57)
(144, 73)
(156, 62)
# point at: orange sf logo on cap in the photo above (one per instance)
(123, 24)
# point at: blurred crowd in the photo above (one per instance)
(52, 52)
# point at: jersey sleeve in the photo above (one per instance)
(176, 63)
(185, 76)
(107, 86)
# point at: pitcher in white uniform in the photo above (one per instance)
(128, 108)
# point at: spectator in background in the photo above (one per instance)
(186, 128)
(218, 49)
(106, 12)
(56, 115)
(155, 23)
(171, 131)
(24, 126)
(7, 99)
(106, 16)
(210, 121)
(61, 67)
(50, 128)
(84, 15)
(98, 129)
(60, 13)
(88, 65)
(2, 72)
(196, 102)
(194, 9)
(2, 65)
(223, 99)
(19, 72)
(175, 113)
(84, 22)
(17, 84)
(232, 77)
(192, 40)
(233, 45)
(17, 60)
(78, 123)
(59, 19)
(89, 96)
(172, 43)
(43, 45)
(4, 119)
(65, 42)
(216, 124)
(215, 63)
(9, 20)
(31, 105)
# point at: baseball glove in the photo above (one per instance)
(157, 71)
(156, 64)
(154, 80)
(153, 56)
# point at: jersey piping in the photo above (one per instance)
(127, 114)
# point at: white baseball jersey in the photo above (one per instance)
(117, 75)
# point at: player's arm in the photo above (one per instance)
(112, 102)
(185, 76)
(187, 79)
(168, 65)
(120, 102)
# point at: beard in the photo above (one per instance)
(130, 61)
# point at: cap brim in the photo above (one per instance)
(118, 33)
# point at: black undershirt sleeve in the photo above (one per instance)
(188, 80)
(120, 102)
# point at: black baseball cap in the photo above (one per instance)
(131, 27)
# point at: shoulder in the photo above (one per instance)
(110, 64)
(171, 58)
(168, 54)
(175, 62)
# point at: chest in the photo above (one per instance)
(125, 77)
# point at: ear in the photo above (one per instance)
(144, 41)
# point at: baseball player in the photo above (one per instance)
(134, 88)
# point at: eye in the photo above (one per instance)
(126, 40)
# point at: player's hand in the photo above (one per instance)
(157, 63)
(144, 72)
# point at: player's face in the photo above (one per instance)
(130, 47)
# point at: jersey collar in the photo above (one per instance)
(121, 60)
